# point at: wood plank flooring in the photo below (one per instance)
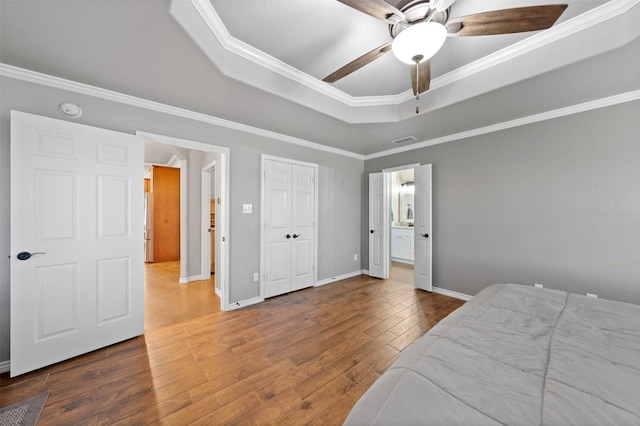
(301, 358)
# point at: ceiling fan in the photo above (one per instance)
(419, 29)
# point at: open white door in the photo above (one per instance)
(76, 240)
(378, 255)
(422, 227)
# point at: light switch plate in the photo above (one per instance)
(246, 208)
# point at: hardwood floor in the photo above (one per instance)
(301, 358)
(167, 302)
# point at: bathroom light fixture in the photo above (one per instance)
(70, 110)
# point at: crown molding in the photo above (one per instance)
(549, 115)
(85, 89)
(558, 32)
(554, 34)
(11, 71)
(233, 45)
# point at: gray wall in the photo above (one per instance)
(340, 184)
(556, 202)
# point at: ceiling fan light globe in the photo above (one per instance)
(423, 39)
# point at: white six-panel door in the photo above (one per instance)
(277, 219)
(302, 226)
(378, 252)
(422, 228)
(76, 201)
(288, 226)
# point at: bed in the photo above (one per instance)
(516, 355)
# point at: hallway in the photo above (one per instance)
(166, 301)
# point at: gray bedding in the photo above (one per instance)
(516, 355)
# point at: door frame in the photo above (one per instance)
(178, 161)
(222, 172)
(386, 219)
(316, 184)
(206, 219)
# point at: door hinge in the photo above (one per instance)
(223, 239)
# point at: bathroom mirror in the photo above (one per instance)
(407, 208)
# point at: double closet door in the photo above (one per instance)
(289, 226)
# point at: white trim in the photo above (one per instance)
(339, 278)
(243, 303)
(451, 293)
(59, 83)
(205, 205)
(190, 279)
(401, 168)
(184, 200)
(549, 115)
(581, 22)
(212, 21)
(5, 366)
(222, 173)
(316, 185)
(218, 292)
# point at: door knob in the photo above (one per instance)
(296, 235)
(288, 236)
(24, 255)
(371, 232)
(425, 235)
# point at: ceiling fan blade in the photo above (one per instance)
(358, 63)
(516, 20)
(424, 79)
(379, 9)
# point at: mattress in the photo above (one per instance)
(516, 355)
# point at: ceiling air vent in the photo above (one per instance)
(404, 140)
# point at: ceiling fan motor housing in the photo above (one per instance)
(415, 12)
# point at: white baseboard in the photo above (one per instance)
(189, 279)
(365, 272)
(218, 293)
(339, 277)
(243, 303)
(451, 293)
(5, 366)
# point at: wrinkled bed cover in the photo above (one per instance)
(516, 355)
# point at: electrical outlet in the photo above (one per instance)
(355, 256)
(536, 285)
(256, 277)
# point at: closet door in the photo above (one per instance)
(289, 227)
(302, 226)
(277, 227)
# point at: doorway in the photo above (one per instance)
(210, 202)
(191, 230)
(413, 243)
(402, 219)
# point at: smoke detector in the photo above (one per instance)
(70, 110)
